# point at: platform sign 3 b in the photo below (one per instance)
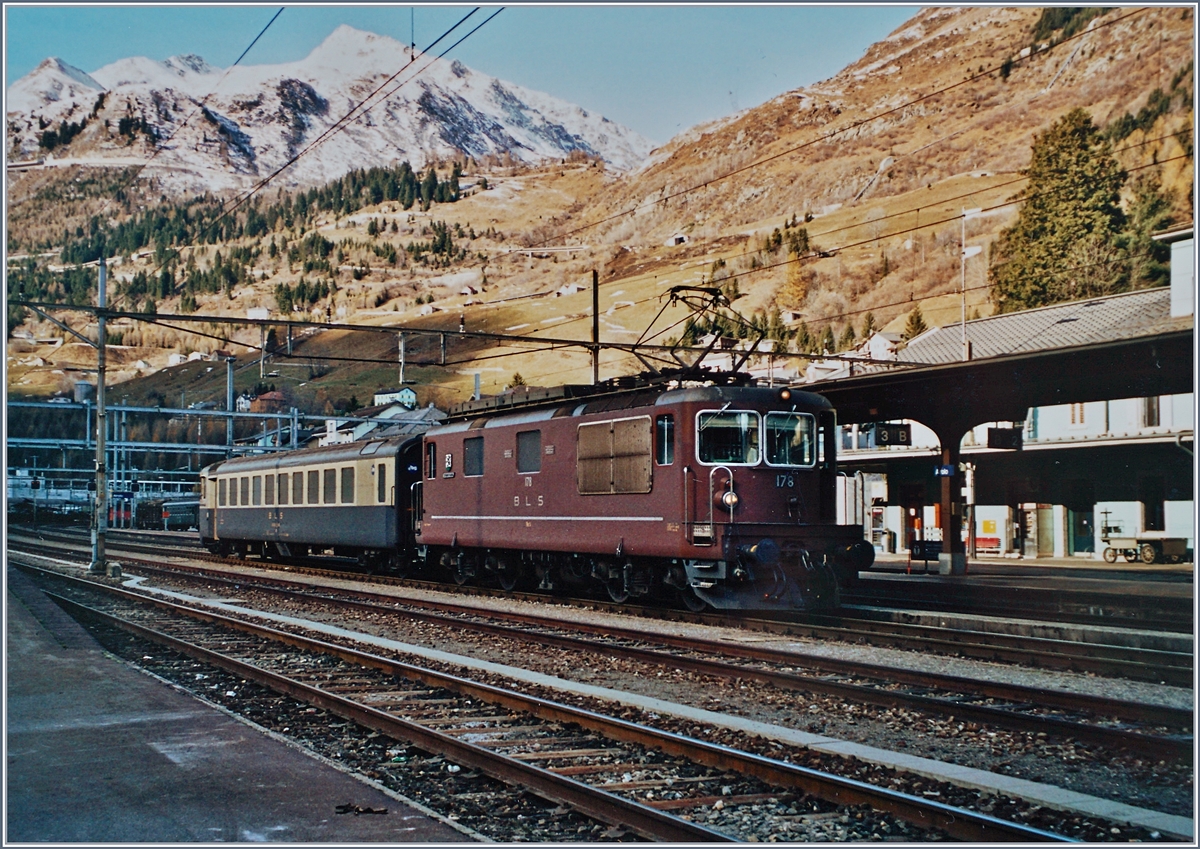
(893, 434)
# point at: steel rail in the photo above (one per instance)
(606, 807)
(957, 822)
(1078, 656)
(1176, 748)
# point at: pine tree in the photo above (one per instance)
(868, 325)
(916, 324)
(846, 342)
(828, 343)
(1062, 245)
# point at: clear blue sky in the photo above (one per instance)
(657, 69)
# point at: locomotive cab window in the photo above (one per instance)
(473, 456)
(431, 460)
(729, 436)
(791, 439)
(529, 451)
(664, 440)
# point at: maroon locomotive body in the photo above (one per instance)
(720, 495)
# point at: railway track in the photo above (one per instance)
(1149, 730)
(1133, 662)
(1067, 605)
(657, 785)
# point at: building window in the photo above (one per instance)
(348, 485)
(529, 451)
(314, 484)
(1150, 412)
(473, 456)
(329, 494)
(664, 440)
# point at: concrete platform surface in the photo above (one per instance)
(98, 752)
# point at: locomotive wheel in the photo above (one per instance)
(507, 575)
(1110, 555)
(461, 572)
(689, 599)
(616, 589)
(1131, 556)
(1148, 553)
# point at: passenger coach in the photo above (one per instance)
(353, 498)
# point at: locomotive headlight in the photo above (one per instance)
(729, 500)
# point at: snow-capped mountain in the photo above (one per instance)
(256, 118)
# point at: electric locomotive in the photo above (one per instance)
(721, 495)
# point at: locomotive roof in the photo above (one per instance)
(779, 397)
(344, 452)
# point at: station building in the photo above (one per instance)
(1083, 472)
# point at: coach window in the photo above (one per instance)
(727, 437)
(297, 487)
(269, 490)
(221, 492)
(529, 451)
(314, 487)
(233, 486)
(348, 485)
(283, 489)
(430, 460)
(329, 488)
(473, 456)
(256, 489)
(381, 481)
(244, 498)
(664, 440)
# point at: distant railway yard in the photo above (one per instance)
(515, 717)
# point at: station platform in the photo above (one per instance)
(98, 752)
(1069, 568)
